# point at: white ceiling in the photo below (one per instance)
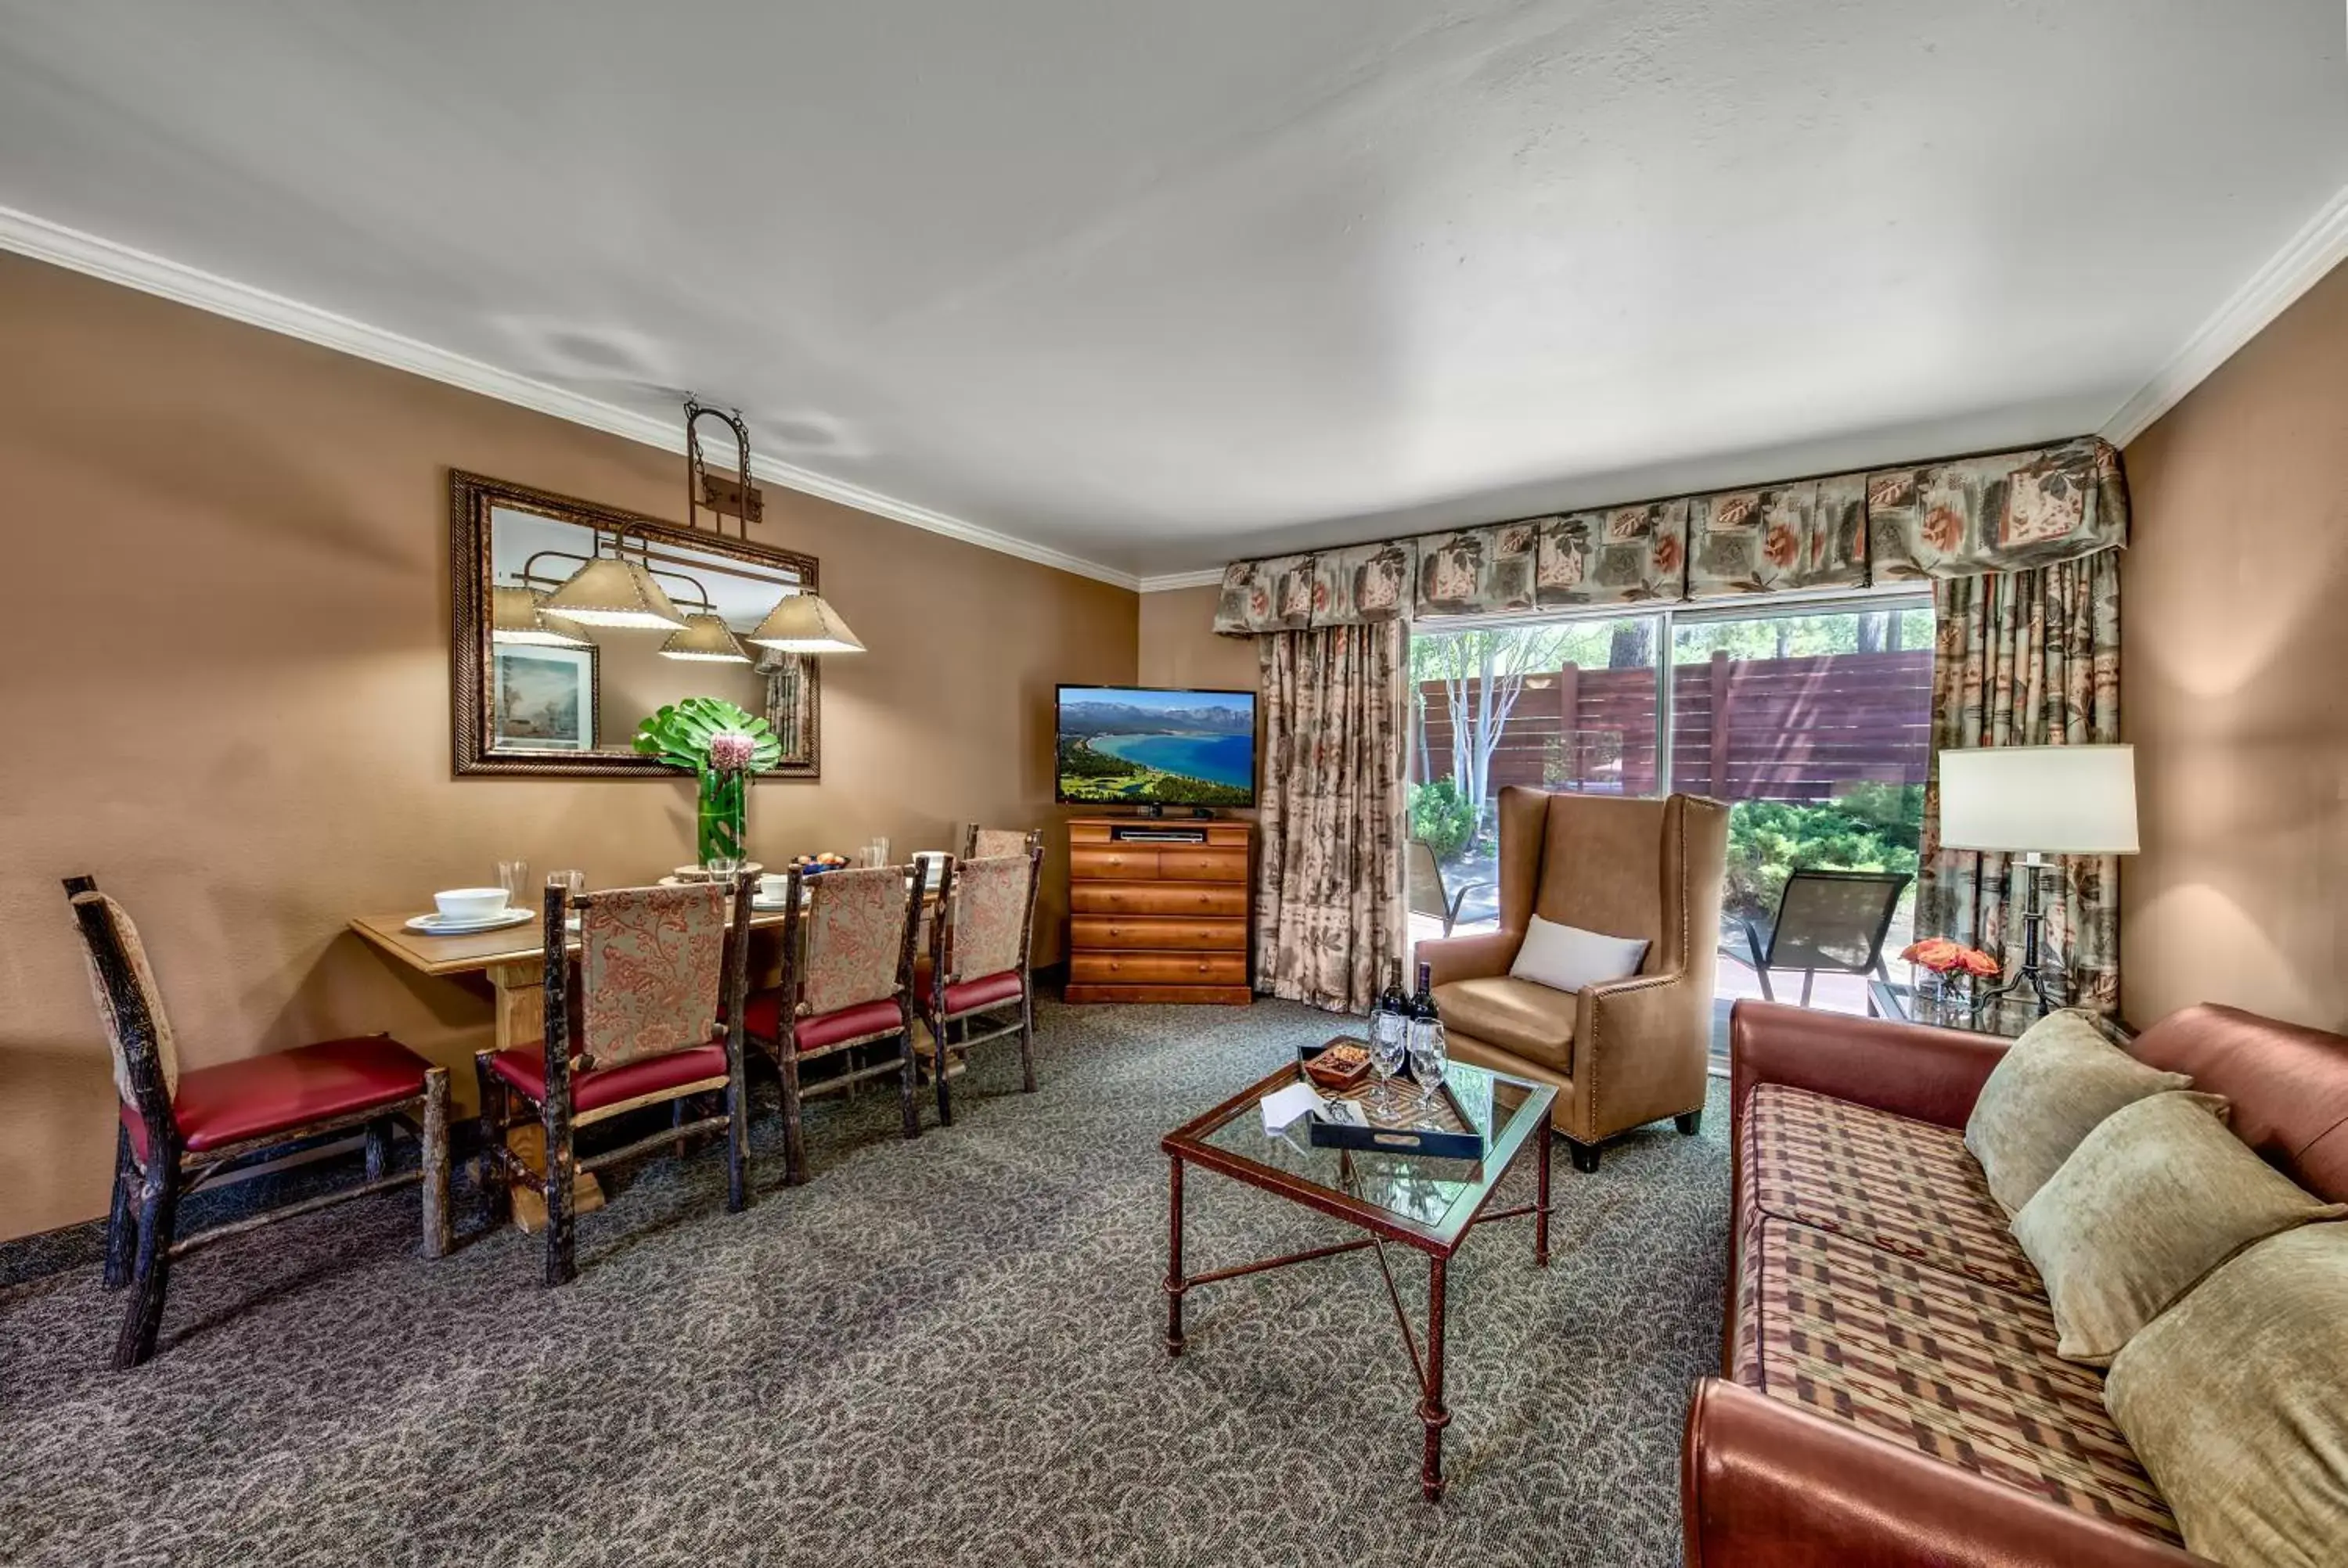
(1154, 284)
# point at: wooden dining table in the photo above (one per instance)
(512, 959)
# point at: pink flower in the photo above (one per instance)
(730, 750)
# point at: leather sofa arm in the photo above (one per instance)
(1766, 1485)
(1930, 1075)
(1485, 954)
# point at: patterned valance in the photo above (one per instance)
(2009, 512)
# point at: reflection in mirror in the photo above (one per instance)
(661, 616)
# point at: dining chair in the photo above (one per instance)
(1827, 921)
(179, 1130)
(847, 980)
(987, 843)
(978, 961)
(655, 975)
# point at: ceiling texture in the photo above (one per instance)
(1140, 287)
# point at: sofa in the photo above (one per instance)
(1625, 1053)
(1891, 1392)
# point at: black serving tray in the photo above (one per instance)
(1441, 1143)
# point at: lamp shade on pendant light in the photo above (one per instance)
(608, 592)
(707, 638)
(520, 618)
(804, 623)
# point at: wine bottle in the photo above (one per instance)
(1394, 1002)
(1429, 1051)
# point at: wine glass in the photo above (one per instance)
(1388, 1046)
(1431, 1051)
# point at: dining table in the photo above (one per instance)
(512, 959)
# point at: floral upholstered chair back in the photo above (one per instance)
(992, 842)
(652, 962)
(855, 950)
(989, 915)
(129, 1004)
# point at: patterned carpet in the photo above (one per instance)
(946, 1351)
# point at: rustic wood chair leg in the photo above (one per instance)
(561, 1266)
(435, 1163)
(378, 1148)
(906, 1093)
(122, 1215)
(1028, 1041)
(738, 1140)
(492, 1122)
(158, 1209)
(938, 1033)
(794, 1136)
(676, 1119)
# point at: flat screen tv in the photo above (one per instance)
(1129, 745)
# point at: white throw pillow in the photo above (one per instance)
(1567, 957)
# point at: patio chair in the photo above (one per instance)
(1830, 921)
(1430, 894)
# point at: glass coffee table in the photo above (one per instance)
(1411, 1200)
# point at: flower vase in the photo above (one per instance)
(1943, 1000)
(724, 817)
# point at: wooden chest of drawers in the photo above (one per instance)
(1159, 919)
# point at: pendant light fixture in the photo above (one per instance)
(708, 638)
(802, 622)
(520, 619)
(612, 590)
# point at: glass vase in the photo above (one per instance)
(1943, 1000)
(724, 816)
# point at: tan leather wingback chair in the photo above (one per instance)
(1628, 1051)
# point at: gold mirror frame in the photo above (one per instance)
(471, 580)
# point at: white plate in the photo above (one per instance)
(439, 924)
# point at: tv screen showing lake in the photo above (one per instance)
(1217, 759)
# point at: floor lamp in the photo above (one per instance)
(2036, 802)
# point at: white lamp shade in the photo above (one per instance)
(520, 618)
(2054, 800)
(609, 592)
(707, 638)
(804, 623)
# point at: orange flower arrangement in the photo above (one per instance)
(1943, 957)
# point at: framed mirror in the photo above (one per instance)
(533, 694)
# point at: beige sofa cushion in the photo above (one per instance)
(2236, 1401)
(2053, 1088)
(2150, 1202)
(1533, 1021)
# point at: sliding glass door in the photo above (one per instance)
(1812, 718)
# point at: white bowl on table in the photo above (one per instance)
(457, 905)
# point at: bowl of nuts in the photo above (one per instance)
(1340, 1064)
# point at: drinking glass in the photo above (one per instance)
(1388, 1046)
(1430, 1053)
(513, 876)
(879, 852)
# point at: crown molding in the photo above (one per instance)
(28, 235)
(1209, 578)
(2320, 244)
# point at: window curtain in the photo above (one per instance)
(2027, 659)
(1329, 894)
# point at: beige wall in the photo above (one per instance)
(1178, 647)
(2234, 682)
(226, 693)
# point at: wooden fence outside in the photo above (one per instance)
(1796, 729)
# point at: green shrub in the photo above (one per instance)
(1872, 828)
(1442, 818)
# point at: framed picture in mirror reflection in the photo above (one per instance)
(545, 698)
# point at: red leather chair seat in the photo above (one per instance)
(287, 1090)
(524, 1066)
(968, 996)
(764, 1017)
